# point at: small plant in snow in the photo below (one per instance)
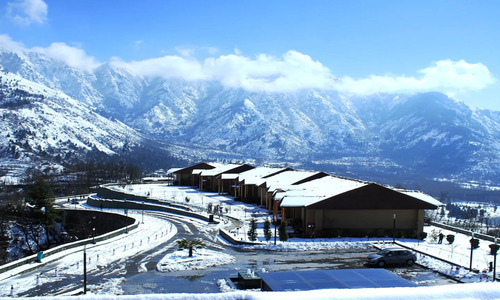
(267, 230)
(191, 245)
(252, 233)
(450, 238)
(433, 236)
(283, 231)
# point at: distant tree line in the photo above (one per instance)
(464, 212)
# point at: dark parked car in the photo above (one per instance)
(392, 256)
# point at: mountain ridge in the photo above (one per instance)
(427, 134)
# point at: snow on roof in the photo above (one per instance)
(197, 171)
(229, 176)
(332, 185)
(173, 170)
(254, 176)
(156, 178)
(284, 190)
(300, 201)
(218, 170)
(306, 194)
(422, 196)
(324, 187)
(287, 178)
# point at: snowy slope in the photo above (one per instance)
(372, 137)
(38, 123)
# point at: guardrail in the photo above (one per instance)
(49, 252)
(227, 236)
(463, 231)
(144, 205)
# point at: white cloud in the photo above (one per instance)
(185, 52)
(26, 12)
(72, 56)
(211, 50)
(292, 71)
(288, 73)
(445, 76)
(7, 43)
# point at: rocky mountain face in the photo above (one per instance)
(54, 111)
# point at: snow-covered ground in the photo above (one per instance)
(197, 200)
(201, 259)
(57, 267)
(155, 231)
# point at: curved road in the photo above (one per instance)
(137, 274)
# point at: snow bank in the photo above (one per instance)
(310, 246)
(201, 259)
(485, 291)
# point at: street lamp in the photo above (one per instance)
(471, 252)
(93, 235)
(275, 221)
(142, 212)
(84, 269)
(394, 228)
(418, 233)
(495, 261)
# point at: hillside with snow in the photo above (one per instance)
(43, 126)
(49, 108)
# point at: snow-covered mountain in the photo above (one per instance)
(40, 125)
(52, 106)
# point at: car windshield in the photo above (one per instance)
(383, 252)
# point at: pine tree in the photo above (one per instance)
(252, 233)
(267, 230)
(41, 196)
(283, 232)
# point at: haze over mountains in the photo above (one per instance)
(52, 113)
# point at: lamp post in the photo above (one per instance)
(126, 221)
(418, 233)
(274, 219)
(84, 269)
(471, 252)
(394, 228)
(93, 235)
(495, 262)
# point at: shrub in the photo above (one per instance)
(494, 248)
(252, 233)
(474, 243)
(422, 235)
(267, 230)
(283, 232)
(433, 237)
(191, 245)
(450, 238)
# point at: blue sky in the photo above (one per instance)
(356, 47)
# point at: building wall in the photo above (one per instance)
(408, 219)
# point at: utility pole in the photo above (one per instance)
(274, 217)
(84, 269)
(471, 252)
(394, 228)
(495, 261)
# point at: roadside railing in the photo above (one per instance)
(49, 252)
